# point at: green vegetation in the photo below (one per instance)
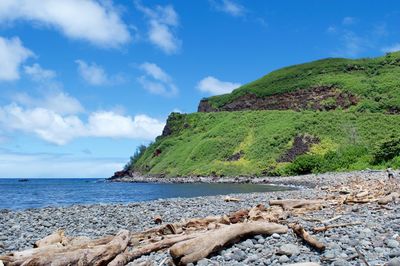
(135, 157)
(201, 143)
(375, 81)
(253, 143)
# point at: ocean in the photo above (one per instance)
(37, 193)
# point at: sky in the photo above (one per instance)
(84, 82)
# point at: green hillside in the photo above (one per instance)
(362, 134)
(375, 81)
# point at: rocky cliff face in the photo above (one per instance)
(316, 98)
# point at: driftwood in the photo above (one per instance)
(389, 198)
(200, 247)
(309, 239)
(304, 264)
(56, 237)
(128, 256)
(327, 227)
(194, 239)
(288, 204)
(231, 199)
(98, 255)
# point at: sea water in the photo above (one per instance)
(34, 193)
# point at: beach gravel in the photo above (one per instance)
(376, 237)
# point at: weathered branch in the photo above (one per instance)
(200, 247)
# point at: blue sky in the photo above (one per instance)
(84, 82)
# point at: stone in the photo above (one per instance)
(283, 259)
(341, 262)
(392, 243)
(289, 250)
(394, 262)
(276, 236)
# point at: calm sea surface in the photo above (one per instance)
(63, 192)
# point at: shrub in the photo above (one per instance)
(386, 150)
(135, 157)
(304, 164)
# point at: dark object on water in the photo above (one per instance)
(23, 180)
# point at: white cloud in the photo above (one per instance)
(96, 75)
(215, 87)
(12, 55)
(393, 48)
(92, 73)
(229, 7)
(57, 101)
(59, 124)
(156, 80)
(163, 22)
(37, 73)
(347, 21)
(56, 165)
(110, 124)
(89, 20)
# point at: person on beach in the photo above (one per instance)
(390, 173)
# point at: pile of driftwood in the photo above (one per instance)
(194, 239)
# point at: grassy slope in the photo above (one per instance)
(376, 81)
(202, 142)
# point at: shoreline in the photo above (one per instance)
(377, 236)
(300, 181)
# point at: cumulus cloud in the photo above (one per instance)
(57, 101)
(89, 20)
(12, 55)
(229, 7)
(156, 80)
(392, 48)
(214, 86)
(37, 73)
(163, 22)
(96, 75)
(60, 125)
(92, 73)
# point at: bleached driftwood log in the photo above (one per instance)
(203, 245)
(288, 204)
(56, 237)
(86, 254)
(389, 198)
(309, 239)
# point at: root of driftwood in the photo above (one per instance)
(98, 255)
(200, 247)
(309, 239)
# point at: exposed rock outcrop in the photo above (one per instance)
(316, 98)
(301, 145)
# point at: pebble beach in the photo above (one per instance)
(376, 239)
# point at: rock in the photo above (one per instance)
(393, 262)
(248, 243)
(392, 243)
(283, 259)
(203, 262)
(289, 249)
(276, 236)
(341, 262)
